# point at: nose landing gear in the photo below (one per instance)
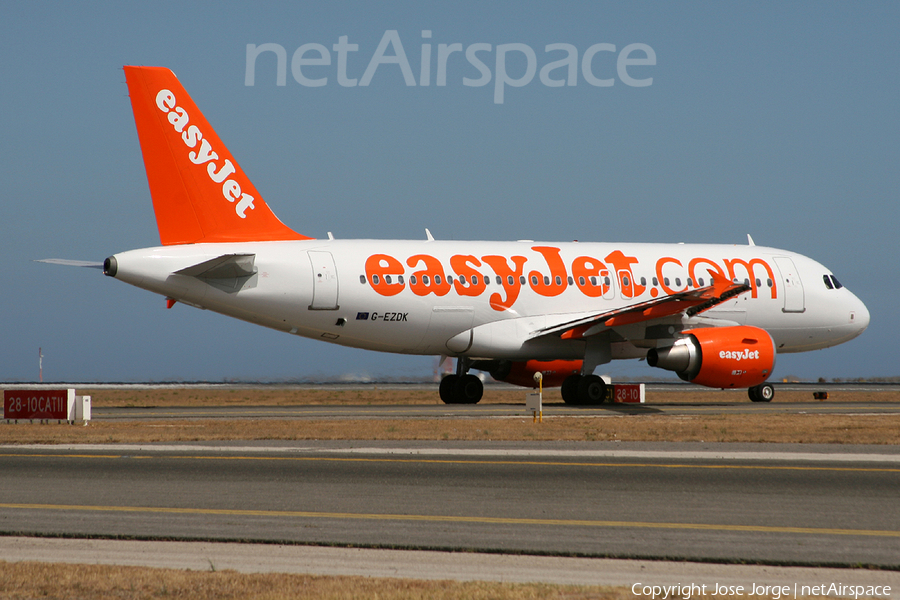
(763, 392)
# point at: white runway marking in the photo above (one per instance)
(889, 456)
(416, 564)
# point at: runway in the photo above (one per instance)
(773, 504)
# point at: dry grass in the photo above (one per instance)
(595, 425)
(27, 580)
(373, 395)
(799, 428)
(99, 582)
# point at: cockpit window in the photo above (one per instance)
(831, 282)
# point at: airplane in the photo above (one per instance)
(716, 315)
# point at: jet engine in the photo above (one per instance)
(522, 372)
(719, 357)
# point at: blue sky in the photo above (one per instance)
(777, 120)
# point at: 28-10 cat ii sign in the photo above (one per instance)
(38, 404)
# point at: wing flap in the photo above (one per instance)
(690, 303)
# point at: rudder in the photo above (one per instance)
(199, 192)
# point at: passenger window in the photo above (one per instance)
(362, 278)
(690, 282)
(606, 280)
(643, 281)
(581, 280)
(500, 281)
(700, 282)
(758, 283)
(625, 281)
(400, 279)
(666, 281)
(678, 281)
(593, 281)
(387, 279)
(510, 280)
(412, 280)
(827, 281)
(522, 280)
(534, 280)
(655, 281)
(375, 279)
(558, 280)
(487, 280)
(475, 280)
(769, 282)
(571, 281)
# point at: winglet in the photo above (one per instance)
(199, 192)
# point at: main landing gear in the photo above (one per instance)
(763, 392)
(583, 389)
(461, 388)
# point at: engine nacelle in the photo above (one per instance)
(522, 372)
(719, 357)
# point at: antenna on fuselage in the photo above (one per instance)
(750, 240)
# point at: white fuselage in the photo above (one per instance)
(408, 297)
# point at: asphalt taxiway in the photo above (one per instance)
(770, 503)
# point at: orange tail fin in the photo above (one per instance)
(199, 192)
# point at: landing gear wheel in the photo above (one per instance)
(468, 390)
(763, 392)
(448, 384)
(569, 389)
(591, 390)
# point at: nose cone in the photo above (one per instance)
(859, 316)
(853, 316)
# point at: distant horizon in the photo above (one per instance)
(427, 381)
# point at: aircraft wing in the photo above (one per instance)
(690, 303)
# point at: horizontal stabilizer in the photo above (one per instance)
(227, 266)
(71, 263)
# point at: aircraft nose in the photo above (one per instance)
(859, 315)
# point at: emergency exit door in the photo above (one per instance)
(325, 281)
(792, 287)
